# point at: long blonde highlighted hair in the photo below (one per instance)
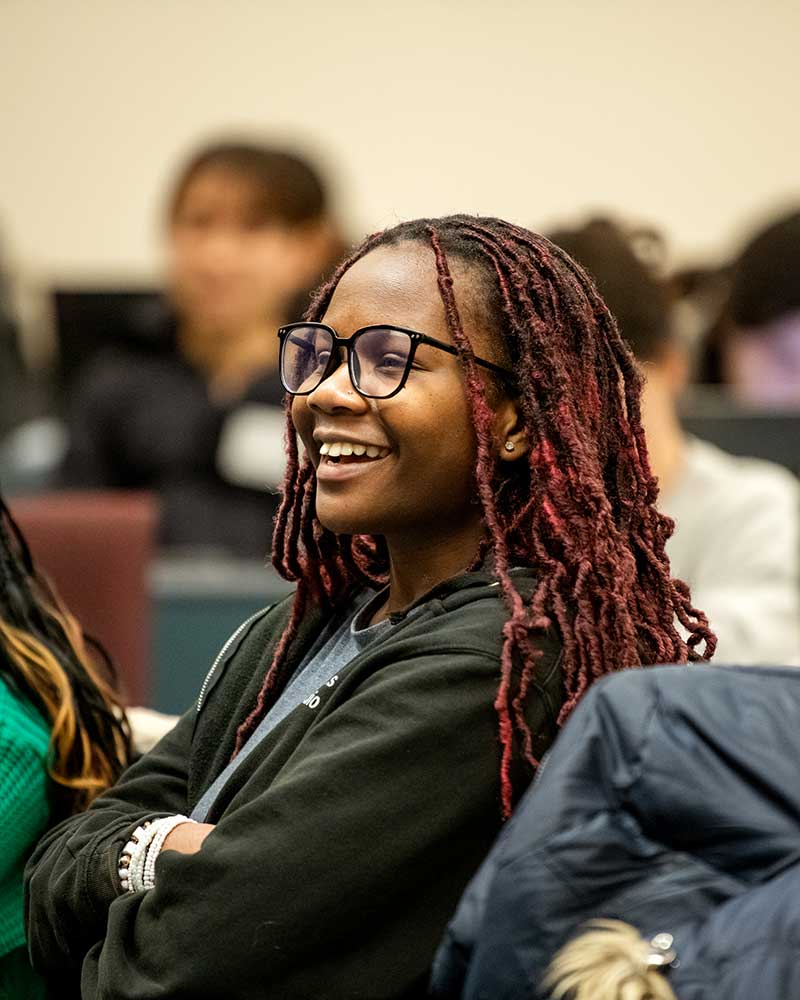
(610, 961)
(44, 656)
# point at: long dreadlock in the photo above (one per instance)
(44, 656)
(580, 507)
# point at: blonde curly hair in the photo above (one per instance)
(611, 961)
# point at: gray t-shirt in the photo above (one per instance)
(337, 645)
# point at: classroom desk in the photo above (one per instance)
(197, 603)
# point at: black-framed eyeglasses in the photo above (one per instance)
(379, 357)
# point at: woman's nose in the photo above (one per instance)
(337, 392)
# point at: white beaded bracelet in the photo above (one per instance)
(131, 861)
(137, 862)
(165, 827)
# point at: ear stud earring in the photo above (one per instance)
(509, 445)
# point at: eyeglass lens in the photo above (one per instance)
(378, 359)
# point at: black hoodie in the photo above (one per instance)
(342, 842)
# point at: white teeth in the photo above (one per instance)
(333, 449)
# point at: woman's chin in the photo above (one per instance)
(344, 526)
(342, 521)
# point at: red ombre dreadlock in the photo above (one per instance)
(579, 508)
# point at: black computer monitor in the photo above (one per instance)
(711, 413)
(89, 319)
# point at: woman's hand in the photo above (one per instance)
(187, 838)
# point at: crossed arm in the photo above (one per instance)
(361, 845)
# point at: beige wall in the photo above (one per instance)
(684, 113)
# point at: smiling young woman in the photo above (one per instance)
(469, 515)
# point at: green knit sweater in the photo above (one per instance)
(24, 741)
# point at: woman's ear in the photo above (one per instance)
(511, 437)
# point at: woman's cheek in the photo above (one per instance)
(302, 422)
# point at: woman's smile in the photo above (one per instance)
(343, 459)
(343, 455)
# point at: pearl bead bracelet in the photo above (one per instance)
(165, 828)
(137, 863)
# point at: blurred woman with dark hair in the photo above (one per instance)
(753, 345)
(63, 736)
(248, 232)
(761, 359)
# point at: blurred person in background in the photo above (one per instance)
(196, 416)
(754, 347)
(22, 397)
(737, 534)
(11, 367)
(31, 441)
(63, 735)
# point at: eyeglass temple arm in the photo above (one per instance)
(478, 361)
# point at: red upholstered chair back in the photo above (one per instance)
(96, 549)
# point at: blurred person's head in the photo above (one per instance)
(610, 960)
(761, 348)
(248, 229)
(640, 301)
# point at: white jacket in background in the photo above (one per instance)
(737, 545)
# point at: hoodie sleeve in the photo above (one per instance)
(338, 878)
(71, 878)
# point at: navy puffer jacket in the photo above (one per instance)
(672, 801)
